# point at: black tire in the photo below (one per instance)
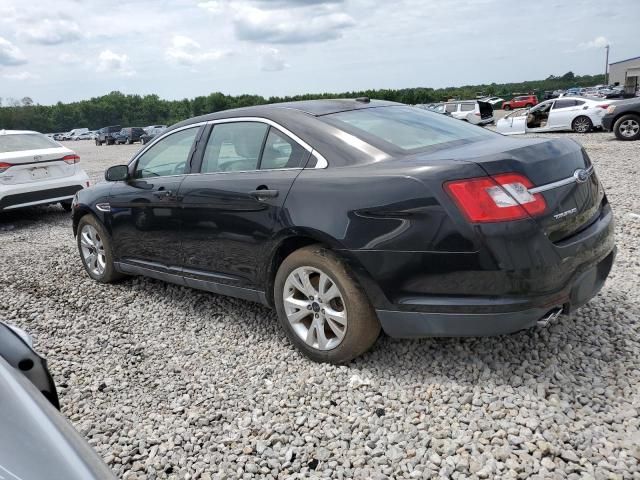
(66, 205)
(582, 124)
(528, 105)
(98, 143)
(363, 327)
(507, 107)
(128, 142)
(623, 127)
(109, 274)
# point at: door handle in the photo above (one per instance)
(164, 194)
(263, 193)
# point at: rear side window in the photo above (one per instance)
(234, 147)
(20, 142)
(282, 152)
(451, 107)
(467, 107)
(564, 104)
(407, 128)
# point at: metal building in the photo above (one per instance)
(626, 72)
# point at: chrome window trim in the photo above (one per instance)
(157, 139)
(559, 183)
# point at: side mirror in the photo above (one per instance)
(117, 173)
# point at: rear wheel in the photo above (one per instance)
(95, 247)
(627, 127)
(528, 105)
(128, 142)
(507, 107)
(98, 143)
(323, 310)
(582, 124)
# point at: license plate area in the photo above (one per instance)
(39, 173)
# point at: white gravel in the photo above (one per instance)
(168, 382)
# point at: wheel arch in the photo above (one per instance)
(293, 240)
(80, 211)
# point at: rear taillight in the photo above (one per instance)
(71, 159)
(4, 166)
(605, 106)
(500, 198)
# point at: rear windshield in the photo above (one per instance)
(407, 128)
(25, 141)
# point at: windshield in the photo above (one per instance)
(407, 128)
(20, 142)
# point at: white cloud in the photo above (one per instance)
(283, 21)
(50, 31)
(20, 76)
(112, 62)
(70, 58)
(598, 42)
(10, 54)
(271, 60)
(186, 51)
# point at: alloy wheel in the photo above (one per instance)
(629, 128)
(93, 253)
(582, 125)
(315, 308)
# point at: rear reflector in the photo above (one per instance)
(71, 159)
(4, 166)
(500, 198)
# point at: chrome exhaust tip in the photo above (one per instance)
(549, 317)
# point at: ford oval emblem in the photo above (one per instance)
(581, 175)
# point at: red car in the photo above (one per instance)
(522, 101)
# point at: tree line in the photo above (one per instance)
(117, 108)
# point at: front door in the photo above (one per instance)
(145, 210)
(230, 209)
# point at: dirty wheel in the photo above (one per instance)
(582, 124)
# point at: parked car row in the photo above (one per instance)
(115, 135)
(476, 112)
(598, 91)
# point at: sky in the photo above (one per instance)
(67, 50)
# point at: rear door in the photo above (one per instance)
(232, 207)
(562, 113)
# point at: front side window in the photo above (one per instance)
(406, 128)
(234, 147)
(169, 156)
(282, 152)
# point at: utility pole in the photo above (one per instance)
(606, 66)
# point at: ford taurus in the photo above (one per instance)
(351, 216)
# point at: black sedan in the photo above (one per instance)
(349, 216)
(623, 119)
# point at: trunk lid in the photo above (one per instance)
(36, 165)
(551, 164)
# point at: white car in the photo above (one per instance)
(476, 112)
(567, 113)
(82, 136)
(37, 170)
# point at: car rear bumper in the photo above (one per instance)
(607, 123)
(407, 323)
(49, 191)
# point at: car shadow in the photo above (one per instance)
(36, 216)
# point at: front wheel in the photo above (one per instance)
(581, 124)
(528, 105)
(66, 205)
(507, 108)
(98, 143)
(627, 127)
(94, 245)
(322, 308)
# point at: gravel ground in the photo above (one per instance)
(168, 382)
